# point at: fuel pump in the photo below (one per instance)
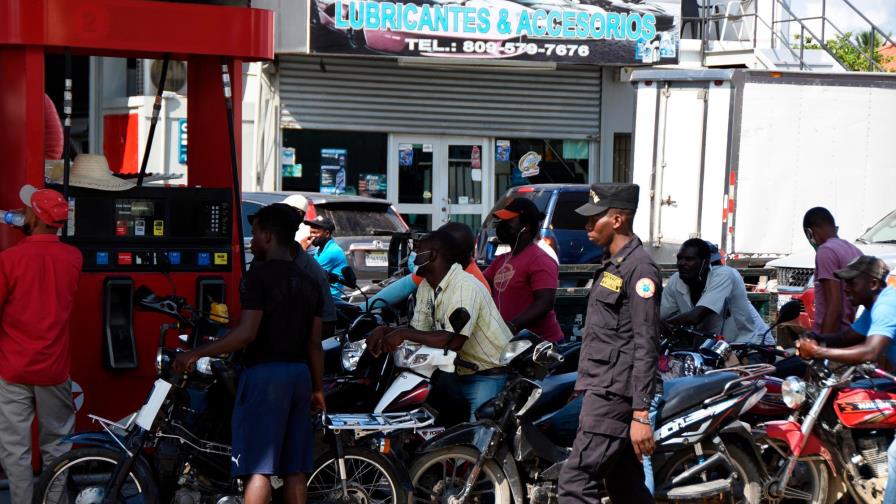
(174, 239)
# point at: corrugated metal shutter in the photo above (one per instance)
(358, 94)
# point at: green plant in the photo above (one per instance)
(852, 50)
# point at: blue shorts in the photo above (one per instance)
(272, 431)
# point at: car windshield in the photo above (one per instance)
(361, 219)
(882, 232)
(541, 197)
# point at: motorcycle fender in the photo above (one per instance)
(477, 435)
(790, 433)
(404, 382)
(98, 439)
(400, 467)
(508, 464)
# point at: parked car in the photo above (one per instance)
(796, 272)
(562, 229)
(362, 226)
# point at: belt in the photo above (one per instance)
(492, 371)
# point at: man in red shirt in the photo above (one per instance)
(524, 280)
(38, 280)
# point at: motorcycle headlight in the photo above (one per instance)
(351, 354)
(512, 350)
(406, 356)
(793, 392)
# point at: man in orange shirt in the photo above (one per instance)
(38, 281)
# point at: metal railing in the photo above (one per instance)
(778, 39)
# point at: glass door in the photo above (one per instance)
(434, 180)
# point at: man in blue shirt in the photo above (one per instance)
(870, 337)
(329, 254)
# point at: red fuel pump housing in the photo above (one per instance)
(113, 356)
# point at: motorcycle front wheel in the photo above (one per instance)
(81, 476)
(370, 478)
(440, 475)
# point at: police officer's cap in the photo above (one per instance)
(606, 196)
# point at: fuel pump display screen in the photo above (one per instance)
(137, 218)
(152, 228)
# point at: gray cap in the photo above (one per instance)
(868, 265)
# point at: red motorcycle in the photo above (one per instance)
(838, 435)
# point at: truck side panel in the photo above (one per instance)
(811, 144)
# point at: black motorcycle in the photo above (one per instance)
(176, 448)
(509, 454)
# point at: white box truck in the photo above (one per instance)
(736, 157)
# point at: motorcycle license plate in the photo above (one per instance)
(375, 259)
(147, 414)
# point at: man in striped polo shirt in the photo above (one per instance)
(448, 287)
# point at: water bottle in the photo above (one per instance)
(12, 218)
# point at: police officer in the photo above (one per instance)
(618, 363)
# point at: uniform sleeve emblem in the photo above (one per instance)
(645, 288)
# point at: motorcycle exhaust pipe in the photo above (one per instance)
(711, 461)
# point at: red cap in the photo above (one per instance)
(47, 204)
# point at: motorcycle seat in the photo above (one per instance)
(681, 394)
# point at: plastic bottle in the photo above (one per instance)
(12, 218)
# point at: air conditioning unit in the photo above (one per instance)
(150, 71)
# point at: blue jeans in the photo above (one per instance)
(477, 389)
(648, 465)
(890, 493)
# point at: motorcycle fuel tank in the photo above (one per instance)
(860, 408)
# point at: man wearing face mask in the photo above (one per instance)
(713, 299)
(524, 280)
(38, 283)
(329, 254)
(445, 288)
(833, 311)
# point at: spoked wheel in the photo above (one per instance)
(746, 483)
(809, 484)
(80, 477)
(440, 476)
(369, 479)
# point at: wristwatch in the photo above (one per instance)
(643, 421)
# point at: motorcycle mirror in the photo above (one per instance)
(790, 311)
(144, 294)
(458, 319)
(349, 279)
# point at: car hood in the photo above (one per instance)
(885, 251)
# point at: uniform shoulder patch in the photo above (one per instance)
(645, 288)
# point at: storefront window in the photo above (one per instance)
(415, 173)
(562, 162)
(334, 162)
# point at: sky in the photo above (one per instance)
(880, 12)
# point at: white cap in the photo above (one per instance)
(297, 201)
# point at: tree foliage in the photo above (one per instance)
(853, 50)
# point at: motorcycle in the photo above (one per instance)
(506, 455)
(837, 436)
(176, 447)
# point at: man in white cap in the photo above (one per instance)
(303, 235)
(38, 282)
